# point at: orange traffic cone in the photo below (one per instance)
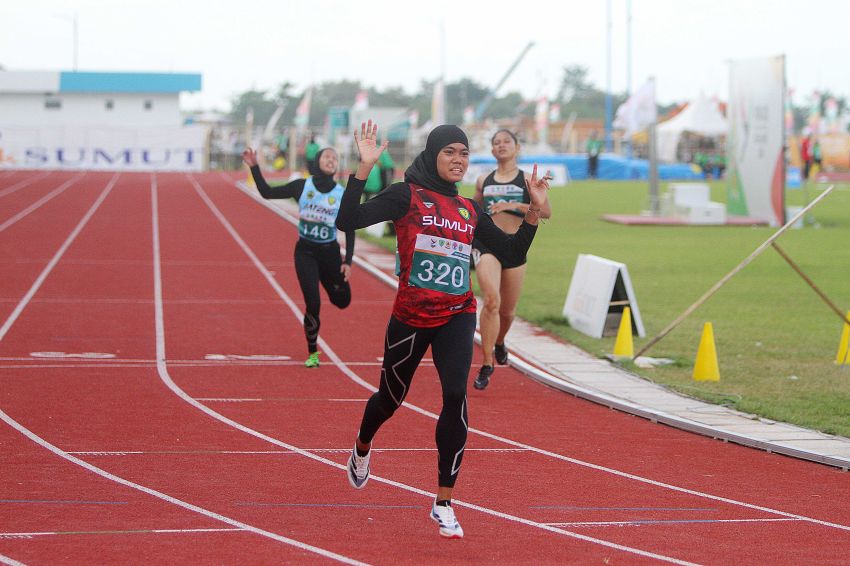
(843, 355)
(623, 346)
(705, 368)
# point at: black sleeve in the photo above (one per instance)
(390, 204)
(349, 246)
(511, 247)
(289, 190)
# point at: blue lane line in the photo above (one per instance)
(254, 504)
(569, 508)
(61, 502)
(673, 521)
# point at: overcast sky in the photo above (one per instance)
(684, 44)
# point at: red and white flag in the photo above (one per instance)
(302, 113)
(361, 101)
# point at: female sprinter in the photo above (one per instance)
(317, 258)
(504, 196)
(434, 305)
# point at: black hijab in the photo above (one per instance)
(423, 170)
(323, 181)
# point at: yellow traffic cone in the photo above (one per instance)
(843, 355)
(705, 368)
(623, 346)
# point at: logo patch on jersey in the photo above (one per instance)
(464, 213)
(331, 200)
(310, 195)
(427, 204)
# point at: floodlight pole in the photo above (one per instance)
(608, 101)
(76, 42)
(732, 273)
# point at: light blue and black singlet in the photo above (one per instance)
(317, 213)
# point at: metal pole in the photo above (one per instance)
(629, 47)
(732, 273)
(608, 102)
(76, 42)
(654, 203)
(811, 283)
(629, 63)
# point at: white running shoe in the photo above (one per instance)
(445, 517)
(358, 469)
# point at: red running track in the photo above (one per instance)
(156, 408)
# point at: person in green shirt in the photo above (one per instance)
(311, 150)
(594, 148)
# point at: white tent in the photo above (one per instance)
(701, 116)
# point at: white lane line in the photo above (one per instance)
(250, 452)
(326, 348)
(37, 204)
(248, 357)
(162, 369)
(21, 184)
(10, 561)
(52, 263)
(66, 355)
(117, 532)
(354, 377)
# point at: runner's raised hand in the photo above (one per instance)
(367, 143)
(249, 156)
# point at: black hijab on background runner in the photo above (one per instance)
(322, 181)
(423, 170)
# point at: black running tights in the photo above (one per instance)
(451, 349)
(314, 264)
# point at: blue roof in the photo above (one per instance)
(70, 81)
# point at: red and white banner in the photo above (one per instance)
(302, 113)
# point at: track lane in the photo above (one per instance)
(101, 408)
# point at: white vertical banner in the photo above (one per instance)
(541, 120)
(639, 111)
(756, 162)
(438, 104)
(302, 112)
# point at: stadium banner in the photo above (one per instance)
(755, 178)
(104, 148)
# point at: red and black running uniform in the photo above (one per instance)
(317, 253)
(434, 305)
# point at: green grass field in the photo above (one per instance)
(776, 339)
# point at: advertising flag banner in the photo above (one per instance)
(361, 101)
(756, 161)
(302, 112)
(639, 111)
(438, 104)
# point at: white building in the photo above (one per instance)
(92, 120)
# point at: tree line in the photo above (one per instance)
(575, 94)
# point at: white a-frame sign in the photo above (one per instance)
(599, 291)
